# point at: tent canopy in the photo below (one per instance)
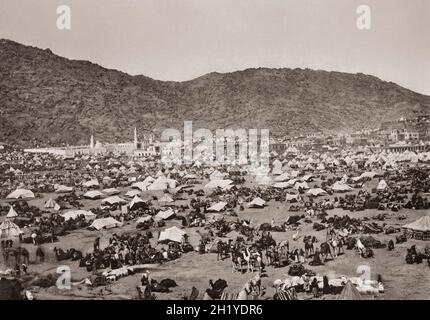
(12, 213)
(8, 229)
(73, 214)
(171, 234)
(422, 224)
(350, 292)
(105, 223)
(21, 194)
(217, 206)
(257, 203)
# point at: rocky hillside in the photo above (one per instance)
(50, 100)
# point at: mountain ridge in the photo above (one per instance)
(46, 99)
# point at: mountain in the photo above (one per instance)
(50, 100)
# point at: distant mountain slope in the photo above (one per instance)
(46, 99)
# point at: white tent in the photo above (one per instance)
(316, 191)
(136, 200)
(218, 183)
(163, 215)
(114, 200)
(257, 203)
(291, 197)
(144, 219)
(307, 177)
(422, 224)
(12, 213)
(281, 185)
(263, 180)
(73, 214)
(105, 223)
(50, 203)
(340, 187)
(190, 176)
(369, 174)
(162, 183)
(141, 185)
(171, 234)
(165, 198)
(149, 180)
(93, 194)
(277, 167)
(217, 206)
(283, 177)
(8, 229)
(216, 175)
(132, 193)
(301, 185)
(63, 189)
(91, 183)
(21, 194)
(382, 185)
(111, 191)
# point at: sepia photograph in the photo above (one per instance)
(188, 150)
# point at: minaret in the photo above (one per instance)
(92, 142)
(135, 137)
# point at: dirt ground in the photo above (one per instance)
(401, 281)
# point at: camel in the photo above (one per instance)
(325, 251)
(18, 253)
(244, 293)
(247, 257)
(256, 261)
(256, 283)
(222, 250)
(309, 245)
(40, 255)
(236, 261)
(360, 247)
(337, 245)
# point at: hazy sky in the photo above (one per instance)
(183, 39)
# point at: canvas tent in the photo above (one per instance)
(165, 198)
(63, 189)
(132, 193)
(281, 185)
(114, 200)
(143, 219)
(105, 223)
(257, 203)
(218, 184)
(171, 234)
(93, 194)
(382, 185)
(136, 202)
(217, 206)
(163, 215)
(21, 194)
(283, 177)
(292, 197)
(50, 203)
(73, 214)
(141, 185)
(111, 191)
(339, 186)
(91, 183)
(316, 191)
(8, 229)
(12, 213)
(350, 292)
(419, 229)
